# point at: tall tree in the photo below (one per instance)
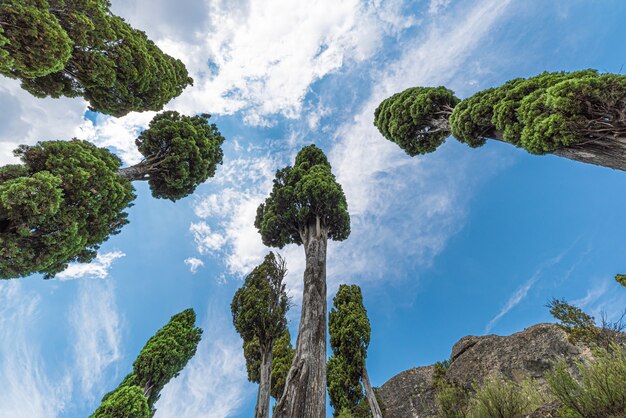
(67, 197)
(259, 310)
(79, 48)
(349, 329)
(579, 115)
(162, 358)
(306, 207)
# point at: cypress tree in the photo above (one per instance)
(306, 207)
(162, 358)
(349, 330)
(259, 308)
(579, 115)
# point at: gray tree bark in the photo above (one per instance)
(262, 409)
(134, 173)
(371, 395)
(305, 387)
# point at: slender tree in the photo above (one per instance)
(306, 207)
(79, 48)
(163, 357)
(259, 310)
(67, 197)
(349, 329)
(579, 115)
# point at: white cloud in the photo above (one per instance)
(213, 384)
(521, 293)
(27, 389)
(96, 325)
(194, 264)
(208, 242)
(98, 268)
(436, 6)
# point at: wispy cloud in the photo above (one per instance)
(98, 268)
(521, 293)
(97, 326)
(27, 389)
(214, 382)
(194, 264)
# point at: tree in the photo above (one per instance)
(67, 197)
(621, 279)
(162, 358)
(579, 115)
(306, 207)
(259, 310)
(78, 48)
(180, 152)
(349, 330)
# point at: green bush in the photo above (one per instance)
(598, 392)
(502, 398)
(451, 400)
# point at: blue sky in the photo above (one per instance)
(462, 241)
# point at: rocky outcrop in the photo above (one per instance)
(526, 354)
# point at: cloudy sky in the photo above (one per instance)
(458, 242)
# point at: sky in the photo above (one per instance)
(459, 242)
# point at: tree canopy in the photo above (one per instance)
(302, 195)
(180, 153)
(67, 197)
(542, 114)
(59, 206)
(349, 330)
(161, 359)
(79, 48)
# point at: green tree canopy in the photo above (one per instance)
(555, 112)
(78, 48)
(303, 195)
(32, 42)
(67, 197)
(180, 152)
(125, 402)
(162, 358)
(59, 206)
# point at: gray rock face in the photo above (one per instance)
(529, 353)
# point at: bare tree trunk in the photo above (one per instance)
(262, 409)
(134, 173)
(371, 396)
(305, 387)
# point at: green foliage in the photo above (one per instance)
(349, 330)
(32, 42)
(621, 279)
(416, 119)
(125, 402)
(580, 327)
(180, 153)
(59, 206)
(166, 354)
(503, 398)
(439, 372)
(540, 114)
(301, 195)
(452, 400)
(598, 393)
(161, 359)
(282, 357)
(86, 51)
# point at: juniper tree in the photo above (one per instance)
(259, 310)
(162, 358)
(349, 329)
(306, 207)
(579, 115)
(79, 48)
(621, 279)
(67, 197)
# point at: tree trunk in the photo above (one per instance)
(304, 395)
(371, 395)
(134, 173)
(262, 409)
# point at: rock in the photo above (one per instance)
(526, 354)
